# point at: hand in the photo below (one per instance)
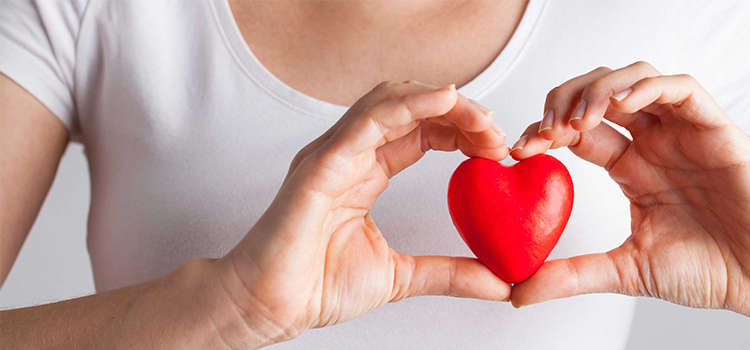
(686, 173)
(316, 258)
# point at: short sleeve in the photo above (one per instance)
(38, 50)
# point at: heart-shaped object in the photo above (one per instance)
(511, 217)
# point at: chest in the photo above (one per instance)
(337, 51)
(188, 138)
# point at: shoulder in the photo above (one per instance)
(38, 41)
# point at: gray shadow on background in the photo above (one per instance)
(661, 325)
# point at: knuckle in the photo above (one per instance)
(305, 152)
(401, 99)
(299, 157)
(315, 144)
(643, 65)
(408, 114)
(373, 113)
(386, 83)
(556, 93)
(387, 91)
(598, 86)
(452, 285)
(405, 268)
(369, 112)
(410, 81)
(648, 81)
(687, 78)
(531, 129)
(645, 68)
(377, 93)
(602, 69)
(366, 111)
(322, 159)
(313, 159)
(391, 94)
(383, 85)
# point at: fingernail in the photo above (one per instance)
(498, 131)
(486, 111)
(448, 88)
(579, 112)
(622, 94)
(549, 118)
(520, 143)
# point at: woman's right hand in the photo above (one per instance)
(316, 258)
(686, 173)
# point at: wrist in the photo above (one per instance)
(205, 286)
(238, 314)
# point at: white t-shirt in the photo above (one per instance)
(188, 138)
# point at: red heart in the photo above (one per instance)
(511, 217)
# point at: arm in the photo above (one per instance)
(149, 315)
(315, 258)
(32, 142)
(179, 311)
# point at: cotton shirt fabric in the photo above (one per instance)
(188, 138)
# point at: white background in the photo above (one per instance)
(54, 265)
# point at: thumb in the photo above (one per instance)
(602, 145)
(613, 272)
(444, 275)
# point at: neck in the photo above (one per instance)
(350, 15)
(381, 12)
(338, 50)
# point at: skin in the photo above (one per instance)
(315, 258)
(316, 47)
(686, 173)
(195, 307)
(32, 142)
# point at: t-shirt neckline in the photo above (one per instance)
(475, 89)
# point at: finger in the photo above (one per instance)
(387, 90)
(398, 155)
(611, 272)
(490, 136)
(688, 98)
(493, 137)
(442, 275)
(381, 92)
(470, 116)
(595, 98)
(467, 114)
(602, 146)
(561, 101)
(531, 143)
(391, 119)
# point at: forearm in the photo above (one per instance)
(187, 309)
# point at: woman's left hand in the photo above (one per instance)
(316, 257)
(686, 173)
